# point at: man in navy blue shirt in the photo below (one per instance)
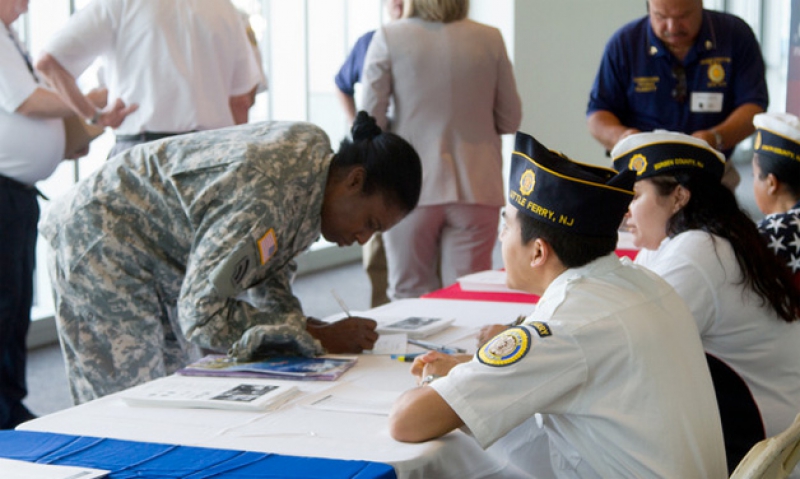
(684, 69)
(374, 254)
(350, 72)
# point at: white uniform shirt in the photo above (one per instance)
(30, 148)
(735, 328)
(617, 370)
(180, 60)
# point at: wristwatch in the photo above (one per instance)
(428, 379)
(96, 118)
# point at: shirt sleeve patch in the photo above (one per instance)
(231, 274)
(542, 329)
(506, 348)
(267, 246)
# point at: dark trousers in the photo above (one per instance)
(19, 214)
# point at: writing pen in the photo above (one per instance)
(406, 358)
(436, 347)
(341, 303)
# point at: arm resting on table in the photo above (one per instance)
(421, 414)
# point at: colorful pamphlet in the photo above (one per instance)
(322, 368)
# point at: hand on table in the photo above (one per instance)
(349, 335)
(436, 363)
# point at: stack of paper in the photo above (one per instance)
(208, 393)
(490, 281)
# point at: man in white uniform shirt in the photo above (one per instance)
(610, 360)
(187, 64)
(31, 146)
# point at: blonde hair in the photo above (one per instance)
(444, 11)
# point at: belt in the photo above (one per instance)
(6, 182)
(149, 136)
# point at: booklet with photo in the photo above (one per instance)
(322, 368)
(206, 393)
(415, 327)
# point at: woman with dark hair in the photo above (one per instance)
(189, 243)
(776, 185)
(695, 235)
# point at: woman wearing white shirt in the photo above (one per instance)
(693, 233)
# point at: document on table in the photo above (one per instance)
(351, 398)
(389, 344)
(30, 470)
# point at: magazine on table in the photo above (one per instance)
(207, 393)
(321, 368)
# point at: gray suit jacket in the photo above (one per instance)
(454, 94)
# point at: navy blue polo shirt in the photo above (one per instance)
(350, 72)
(638, 77)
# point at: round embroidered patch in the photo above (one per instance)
(506, 348)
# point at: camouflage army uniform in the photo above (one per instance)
(207, 224)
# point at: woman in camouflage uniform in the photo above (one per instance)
(188, 243)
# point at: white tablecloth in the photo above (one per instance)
(300, 430)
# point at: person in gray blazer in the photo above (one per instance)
(454, 94)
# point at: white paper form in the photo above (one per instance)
(12, 469)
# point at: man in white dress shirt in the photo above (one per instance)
(610, 361)
(187, 64)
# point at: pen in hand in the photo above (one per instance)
(341, 303)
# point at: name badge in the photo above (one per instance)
(705, 102)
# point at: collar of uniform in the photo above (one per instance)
(556, 291)
(706, 41)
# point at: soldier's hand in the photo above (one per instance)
(349, 335)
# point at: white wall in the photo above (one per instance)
(557, 49)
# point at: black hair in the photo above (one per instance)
(572, 249)
(392, 165)
(785, 171)
(713, 208)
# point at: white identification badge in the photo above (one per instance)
(704, 102)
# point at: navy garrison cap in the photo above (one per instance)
(551, 188)
(777, 136)
(666, 152)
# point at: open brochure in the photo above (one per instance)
(323, 368)
(207, 393)
(12, 469)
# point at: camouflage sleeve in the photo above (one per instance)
(230, 286)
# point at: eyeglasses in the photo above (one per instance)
(680, 91)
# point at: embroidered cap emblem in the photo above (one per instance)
(527, 182)
(638, 163)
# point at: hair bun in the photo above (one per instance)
(365, 127)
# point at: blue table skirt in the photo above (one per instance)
(130, 459)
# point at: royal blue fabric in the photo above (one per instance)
(130, 459)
